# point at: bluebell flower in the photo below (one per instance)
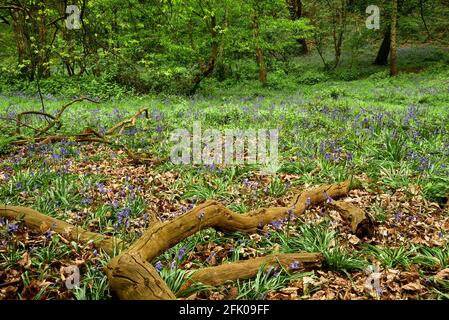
(277, 223)
(349, 156)
(101, 188)
(210, 257)
(328, 198)
(12, 227)
(19, 185)
(181, 253)
(158, 266)
(398, 216)
(291, 214)
(295, 265)
(200, 215)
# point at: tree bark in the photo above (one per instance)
(384, 50)
(206, 69)
(393, 46)
(259, 51)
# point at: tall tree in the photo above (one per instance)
(384, 50)
(393, 40)
(259, 51)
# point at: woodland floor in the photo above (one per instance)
(349, 130)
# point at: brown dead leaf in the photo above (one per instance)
(442, 275)
(413, 286)
(25, 261)
(233, 293)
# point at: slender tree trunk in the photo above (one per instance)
(22, 37)
(259, 51)
(296, 13)
(384, 50)
(393, 46)
(43, 67)
(206, 69)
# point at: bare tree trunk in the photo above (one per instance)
(43, 62)
(206, 69)
(259, 51)
(393, 46)
(339, 22)
(384, 50)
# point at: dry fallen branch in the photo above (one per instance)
(36, 220)
(247, 269)
(88, 135)
(131, 275)
(131, 122)
(361, 223)
(19, 122)
(55, 120)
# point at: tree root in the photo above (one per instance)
(132, 276)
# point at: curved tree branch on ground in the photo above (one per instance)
(36, 220)
(361, 224)
(131, 275)
(247, 269)
(19, 122)
(128, 123)
(55, 120)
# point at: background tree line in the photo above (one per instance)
(160, 45)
